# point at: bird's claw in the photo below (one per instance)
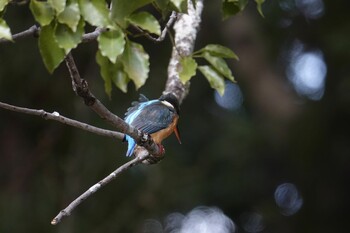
(154, 159)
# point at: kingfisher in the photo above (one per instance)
(157, 117)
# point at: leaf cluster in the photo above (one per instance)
(63, 25)
(215, 72)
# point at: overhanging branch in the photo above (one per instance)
(65, 120)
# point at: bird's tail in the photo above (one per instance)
(131, 145)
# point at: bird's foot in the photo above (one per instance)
(154, 159)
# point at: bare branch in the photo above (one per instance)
(67, 121)
(68, 210)
(186, 28)
(93, 35)
(170, 22)
(32, 31)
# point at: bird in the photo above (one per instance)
(157, 117)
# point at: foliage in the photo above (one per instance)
(64, 23)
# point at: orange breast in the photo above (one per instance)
(159, 136)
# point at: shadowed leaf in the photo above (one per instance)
(146, 21)
(218, 51)
(123, 8)
(215, 79)
(70, 15)
(136, 63)
(3, 3)
(42, 12)
(111, 44)
(5, 32)
(112, 73)
(95, 12)
(189, 66)
(68, 39)
(259, 5)
(58, 5)
(51, 53)
(220, 65)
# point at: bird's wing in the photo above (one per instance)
(153, 117)
(135, 105)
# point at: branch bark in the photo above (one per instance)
(65, 120)
(170, 22)
(186, 30)
(32, 31)
(68, 210)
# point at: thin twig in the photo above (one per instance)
(32, 31)
(170, 22)
(68, 210)
(57, 117)
(93, 35)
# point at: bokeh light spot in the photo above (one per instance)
(311, 9)
(307, 72)
(288, 199)
(252, 222)
(232, 98)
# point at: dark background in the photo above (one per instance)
(273, 157)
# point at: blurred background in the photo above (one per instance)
(271, 155)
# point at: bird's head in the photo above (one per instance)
(171, 99)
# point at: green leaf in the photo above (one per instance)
(106, 72)
(232, 7)
(121, 79)
(180, 5)
(42, 12)
(58, 5)
(95, 12)
(162, 4)
(146, 21)
(136, 63)
(220, 65)
(215, 80)
(111, 44)
(5, 32)
(70, 15)
(3, 3)
(66, 38)
(259, 5)
(112, 73)
(188, 69)
(51, 53)
(123, 8)
(164, 7)
(218, 51)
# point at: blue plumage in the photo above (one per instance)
(149, 116)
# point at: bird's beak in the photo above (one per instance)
(177, 133)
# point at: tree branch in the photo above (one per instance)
(80, 87)
(186, 29)
(93, 35)
(34, 31)
(68, 210)
(170, 22)
(67, 121)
